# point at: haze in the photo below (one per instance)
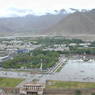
(9, 7)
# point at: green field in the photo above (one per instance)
(62, 84)
(10, 82)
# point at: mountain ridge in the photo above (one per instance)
(79, 24)
(75, 24)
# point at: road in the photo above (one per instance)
(30, 77)
(74, 70)
(60, 63)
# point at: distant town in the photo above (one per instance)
(35, 64)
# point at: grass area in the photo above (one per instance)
(62, 84)
(10, 82)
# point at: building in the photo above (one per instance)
(32, 88)
(22, 51)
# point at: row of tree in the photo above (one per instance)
(33, 60)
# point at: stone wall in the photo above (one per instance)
(68, 91)
(15, 91)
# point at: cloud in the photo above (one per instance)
(41, 6)
(20, 10)
(47, 4)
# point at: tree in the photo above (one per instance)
(77, 92)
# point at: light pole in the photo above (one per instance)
(41, 67)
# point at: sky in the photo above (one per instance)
(10, 7)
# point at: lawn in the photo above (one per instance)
(62, 84)
(10, 82)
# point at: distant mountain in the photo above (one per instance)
(72, 22)
(30, 24)
(78, 23)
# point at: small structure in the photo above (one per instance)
(22, 51)
(32, 88)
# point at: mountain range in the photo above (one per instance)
(78, 24)
(74, 24)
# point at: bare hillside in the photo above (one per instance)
(28, 25)
(78, 23)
